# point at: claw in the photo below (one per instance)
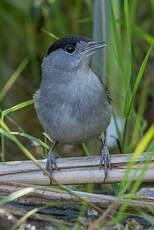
(51, 163)
(105, 161)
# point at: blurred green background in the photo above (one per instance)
(23, 24)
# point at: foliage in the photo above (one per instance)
(29, 27)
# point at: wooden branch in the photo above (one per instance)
(77, 170)
(49, 195)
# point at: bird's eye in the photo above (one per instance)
(69, 48)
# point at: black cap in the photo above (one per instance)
(61, 43)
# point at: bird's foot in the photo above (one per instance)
(51, 163)
(105, 161)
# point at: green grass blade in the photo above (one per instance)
(18, 194)
(145, 141)
(148, 217)
(85, 149)
(129, 69)
(144, 35)
(4, 113)
(84, 20)
(24, 150)
(117, 42)
(138, 80)
(139, 123)
(129, 55)
(140, 148)
(43, 144)
(129, 102)
(135, 187)
(17, 107)
(2, 154)
(50, 34)
(147, 37)
(26, 216)
(13, 78)
(6, 132)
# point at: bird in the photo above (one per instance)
(73, 104)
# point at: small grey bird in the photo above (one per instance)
(72, 104)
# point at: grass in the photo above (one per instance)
(129, 54)
(13, 78)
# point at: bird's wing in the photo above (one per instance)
(108, 94)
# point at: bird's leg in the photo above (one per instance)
(105, 160)
(51, 160)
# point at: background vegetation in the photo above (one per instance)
(28, 27)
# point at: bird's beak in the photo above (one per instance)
(92, 47)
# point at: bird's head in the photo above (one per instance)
(70, 53)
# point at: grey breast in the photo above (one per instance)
(75, 112)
